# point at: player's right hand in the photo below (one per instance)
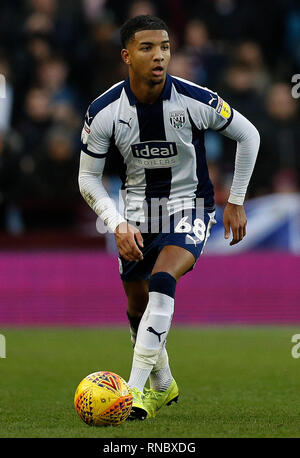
(128, 239)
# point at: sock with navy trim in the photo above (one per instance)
(153, 328)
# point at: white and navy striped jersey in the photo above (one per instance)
(161, 144)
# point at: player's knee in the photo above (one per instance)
(161, 292)
(163, 283)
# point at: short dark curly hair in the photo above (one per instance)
(138, 23)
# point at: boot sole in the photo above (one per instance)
(173, 400)
(137, 414)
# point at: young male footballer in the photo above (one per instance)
(157, 123)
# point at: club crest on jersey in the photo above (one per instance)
(177, 119)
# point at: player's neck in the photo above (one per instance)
(145, 92)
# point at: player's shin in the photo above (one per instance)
(153, 328)
(160, 376)
(134, 322)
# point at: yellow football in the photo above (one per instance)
(103, 399)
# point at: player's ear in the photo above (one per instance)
(125, 56)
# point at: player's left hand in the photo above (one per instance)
(234, 218)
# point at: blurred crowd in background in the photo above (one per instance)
(57, 56)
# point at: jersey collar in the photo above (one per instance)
(165, 95)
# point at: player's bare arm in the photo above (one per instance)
(234, 220)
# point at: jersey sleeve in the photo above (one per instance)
(247, 137)
(215, 113)
(221, 116)
(96, 134)
(206, 109)
(94, 192)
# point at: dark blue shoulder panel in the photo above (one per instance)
(197, 93)
(103, 101)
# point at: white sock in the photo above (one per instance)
(152, 333)
(161, 376)
(138, 378)
(161, 380)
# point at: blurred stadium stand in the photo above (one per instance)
(58, 56)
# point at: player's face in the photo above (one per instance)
(148, 55)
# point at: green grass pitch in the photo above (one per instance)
(233, 381)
